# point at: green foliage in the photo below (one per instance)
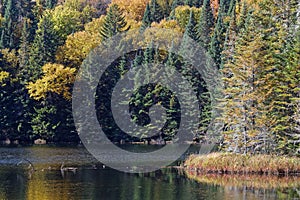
(254, 43)
(114, 22)
(43, 124)
(43, 48)
(8, 36)
(156, 11)
(68, 20)
(206, 24)
(191, 27)
(182, 14)
(147, 19)
(51, 3)
(217, 40)
(193, 3)
(153, 13)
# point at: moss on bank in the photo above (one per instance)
(228, 163)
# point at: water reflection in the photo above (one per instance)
(92, 181)
(238, 186)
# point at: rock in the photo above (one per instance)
(40, 141)
(7, 141)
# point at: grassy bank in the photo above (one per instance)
(227, 163)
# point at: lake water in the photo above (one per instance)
(34, 173)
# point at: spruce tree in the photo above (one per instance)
(8, 36)
(51, 3)
(189, 3)
(244, 113)
(175, 4)
(206, 24)
(231, 36)
(147, 20)
(191, 27)
(24, 51)
(43, 48)
(114, 22)
(231, 7)
(243, 16)
(156, 11)
(280, 73)
(218, 38)
(194, 3)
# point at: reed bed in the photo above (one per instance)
(229, 163)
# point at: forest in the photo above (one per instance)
(255, 45)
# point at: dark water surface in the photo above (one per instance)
(34, 173)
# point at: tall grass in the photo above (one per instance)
(228, 163)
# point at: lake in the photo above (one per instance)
(34, 173)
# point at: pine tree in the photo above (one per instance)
(231, 7)
(231, 36)
(244, 114)
(194, 3)
(8, 37)
(43, 48)
(156, 11)
(205, 25)
(291, 71)
(189, 3)
(175, 4)
(191, 27)
(243, 16)
(24, 52)
(146, 22)
(51, 3)
(114, 22)
(149, 53)
(224, 6)
(217, 40)
(281, 67)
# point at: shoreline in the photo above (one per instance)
(229, 163)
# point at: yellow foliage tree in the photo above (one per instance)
(76, 48)
(133, 9)
(56, 79)
(3, 76)
(95, 25)
(182, 14)
(162, 34)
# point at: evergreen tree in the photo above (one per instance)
(231, 7)
(156, 11)
(175, 4)
(205, 25)
(194, 3)
(291, 141)
(43, 48)
(243, 16)
(51, 3)
(280, 73)
(244, 113)
(8, 37)
(24, 52)
(147, 20)
(149, 53)
(114, 22)
(217, 40)
(189, 3)
(191, 27)
(224, 6)
(231, 36)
